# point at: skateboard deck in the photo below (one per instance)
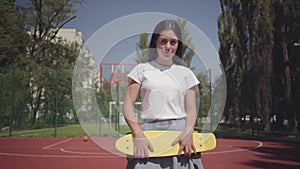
(161, 141)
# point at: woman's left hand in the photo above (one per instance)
(185, 140)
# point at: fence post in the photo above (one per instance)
(211, 105)
(56, 102)
(12, 102)
(117, 122)
(1, 103)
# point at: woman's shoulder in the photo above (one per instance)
(143, 66)
(182, 68)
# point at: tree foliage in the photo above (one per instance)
(36, 66)
(256, 43)
(141, 48)
(187, 46)
(44, 20)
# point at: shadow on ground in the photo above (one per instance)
(276, 155)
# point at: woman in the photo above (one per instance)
(167, 92)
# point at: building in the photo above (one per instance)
(71, 35)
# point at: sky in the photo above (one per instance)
(94, 14)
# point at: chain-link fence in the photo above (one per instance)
(28, 103)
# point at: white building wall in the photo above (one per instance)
(71, 35)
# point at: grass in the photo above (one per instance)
(66, 131)
(78, 131)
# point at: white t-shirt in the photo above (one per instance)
(163, 89)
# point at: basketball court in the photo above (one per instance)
(70, 153)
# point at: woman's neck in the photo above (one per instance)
(164, 62)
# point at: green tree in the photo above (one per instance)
(261, 48)
(230, 25)
(246, 37)
(286, 63)
(13, 44)
(205, 97)
(187, 46)
(44, 20)
(13, 36)
(141, 48)
(57, 88)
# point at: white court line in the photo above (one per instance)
(55, 144)
(104, 155)
(57, 156)
(75, 148)
(87, 153)
(51, 147)
(260, 144)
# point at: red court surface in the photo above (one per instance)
(74, 153)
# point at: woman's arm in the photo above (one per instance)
(141, 143)
(186, 137)
(128, 107)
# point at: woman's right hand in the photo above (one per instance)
(141, 146)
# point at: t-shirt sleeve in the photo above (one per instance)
(137, 73)
(191, 79)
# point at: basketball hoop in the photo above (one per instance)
(117, 77)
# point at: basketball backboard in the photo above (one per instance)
(112, 73)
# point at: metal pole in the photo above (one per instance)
(56, 102)
(99, 116)
(211, 106)
(199, 114)
(0, 102)
(11, 117)
(118, 109)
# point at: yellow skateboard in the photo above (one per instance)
(161, 141)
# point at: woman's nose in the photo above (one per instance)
(168, 45)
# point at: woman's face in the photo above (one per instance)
(166, 46)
